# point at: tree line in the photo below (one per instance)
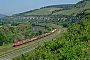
(11, 34)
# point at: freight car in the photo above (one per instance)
(33, 39)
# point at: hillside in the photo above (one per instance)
(63, 9)
(77, 8)
(1, 15)
(69, 12)
(44, 11)
(73, 45)
(47, 10)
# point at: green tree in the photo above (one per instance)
(40, 32)
(3, 38)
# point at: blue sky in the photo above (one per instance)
(10, 7)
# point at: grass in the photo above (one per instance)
(87, 5)
(74, 10)
(6, 46)
(24, 47)
(65, 30)
(89, 54)
(69, 12)
(44, 11)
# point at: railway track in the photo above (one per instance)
(24, 44)
(7, 57)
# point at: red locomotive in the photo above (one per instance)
(32, 39)
(18, 43)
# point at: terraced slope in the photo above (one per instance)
(44, 11)
(82, 6)
(78, 8)
(64, 9)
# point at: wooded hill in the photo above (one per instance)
(1, 15)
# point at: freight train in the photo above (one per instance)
(33, 39)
